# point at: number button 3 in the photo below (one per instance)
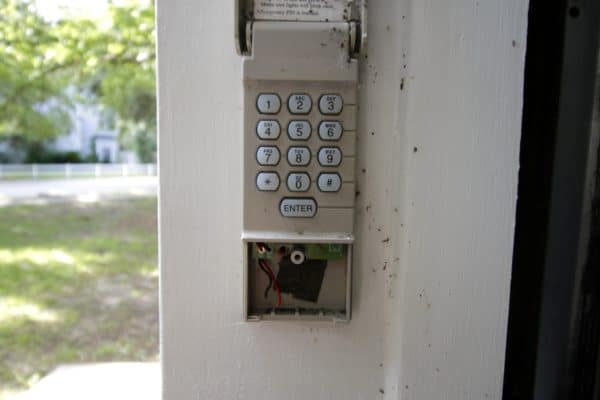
(331, 104)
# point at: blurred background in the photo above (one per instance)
(78, 235)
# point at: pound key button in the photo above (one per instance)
(298, 207)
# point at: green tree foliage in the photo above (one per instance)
(109, 60)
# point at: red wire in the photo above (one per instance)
(275, 283)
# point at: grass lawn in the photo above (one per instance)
(78, 283)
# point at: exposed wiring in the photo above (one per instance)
(264, 264)
(270, 279)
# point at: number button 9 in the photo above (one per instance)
(299, 103)
(330, 156)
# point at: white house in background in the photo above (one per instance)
(87, 136)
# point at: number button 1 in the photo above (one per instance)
(268, 103)
(331, 104)
(298, 182)
(299, 103)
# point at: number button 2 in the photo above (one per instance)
(331, 104)
(299, 103)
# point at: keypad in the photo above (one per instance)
(302, 154)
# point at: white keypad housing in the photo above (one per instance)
(304, 165)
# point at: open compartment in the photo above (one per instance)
(289, 280)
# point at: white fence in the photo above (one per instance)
(40, 171)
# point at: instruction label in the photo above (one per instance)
(302, 10)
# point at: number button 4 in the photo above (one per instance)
(299, 103)
(268, 130)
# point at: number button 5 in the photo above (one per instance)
(299, 103)
(299, 130)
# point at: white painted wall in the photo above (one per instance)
(430, 303)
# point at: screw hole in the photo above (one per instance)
(574, 12)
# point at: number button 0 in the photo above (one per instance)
(330, 130)
(268, 130)
(299, 130)
(268, 103)
(298, 156)
(267, 155)
(331, 104)
(329, 182)
(298, 182)
(330, 156)
(267, 181)
(299, 103)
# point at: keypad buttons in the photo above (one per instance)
(268, 155)
(299, 103)
(268, 103)
(298, 207)
(298, 156)
(299, 130)
(330, 130)
(267, 181)
(268, 129)
(331, 104)
(298, 182)
(330, 156)
(329, 182)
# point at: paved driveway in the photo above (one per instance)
(84, 190)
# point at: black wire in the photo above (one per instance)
(266, 294)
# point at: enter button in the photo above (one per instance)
(298, 207)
